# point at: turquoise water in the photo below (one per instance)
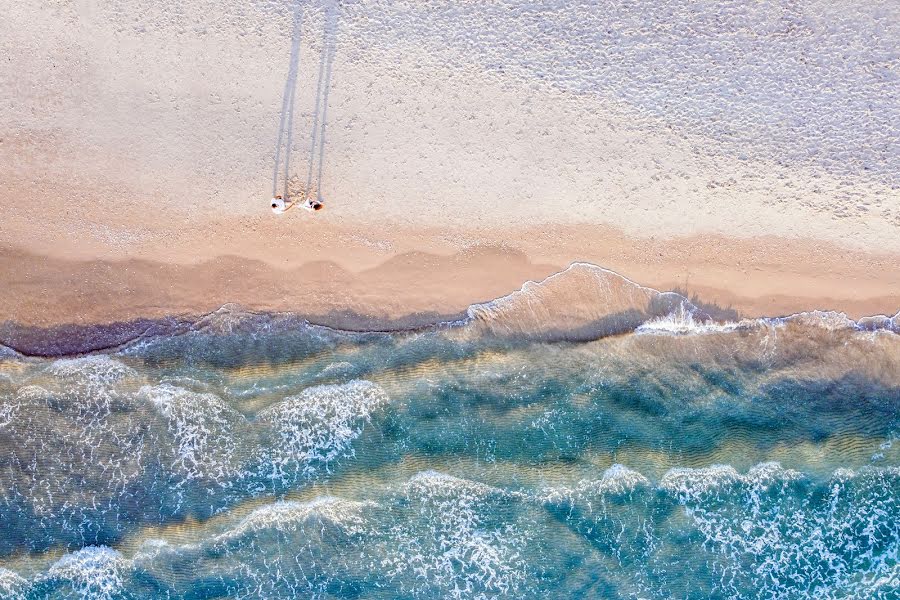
(260, 457)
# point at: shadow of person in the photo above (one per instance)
(285, 126)
(323, 87)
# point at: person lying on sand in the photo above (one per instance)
(312, 205)
(280, 205)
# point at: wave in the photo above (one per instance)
(435, 483)
(293, 516)
(587, 302)
(683, 321)
(835, 321)
(616, 481)
(318, 426)
(773, 521)
(93, 371)
(7, 352)
(458, 547)
(95, 572)
(581, 303)
(111, 455)
(12, 585)
(770, 531)
(202, 426)
(698, 484)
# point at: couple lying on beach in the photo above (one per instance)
(280, 205)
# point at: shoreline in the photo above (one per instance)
(69, 340)
(101, 304)
(415, 277)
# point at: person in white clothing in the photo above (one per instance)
(280, 205)
(312, 205)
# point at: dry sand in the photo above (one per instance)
(138, 148)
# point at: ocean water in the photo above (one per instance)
(635, 447)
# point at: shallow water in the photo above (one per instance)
(256, 457)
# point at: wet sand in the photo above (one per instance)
(399, 278)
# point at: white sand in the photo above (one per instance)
(177, 106)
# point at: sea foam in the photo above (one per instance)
(453, 544)
(202, 426)
(12, 586)
(93, 573)
(318, 426)
(289, 516)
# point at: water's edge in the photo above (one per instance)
(583, 302)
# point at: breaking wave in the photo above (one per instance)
(11, 584)
(583, 302)
(318, 426)
(295, 516)
(587, 302)
(202, 426)
(94, 573)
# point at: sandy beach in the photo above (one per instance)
(138, 157)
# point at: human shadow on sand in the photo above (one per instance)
(285, 126)
(293, 185)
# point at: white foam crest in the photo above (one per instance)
(689, 483)
(87, 387)
(558, 495)
(682, 321)
(33, 394)
(880, 323)
(289, 516)
(460, 553)
(616, 480)
(824, 319)
(830, 321)
(8, 410)
(95, 572)
(96, 370)
(202, 425)
(692, 485)
(845, 474)
(150, 549)
(12, 585)
(319, 425)
(434, 482)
